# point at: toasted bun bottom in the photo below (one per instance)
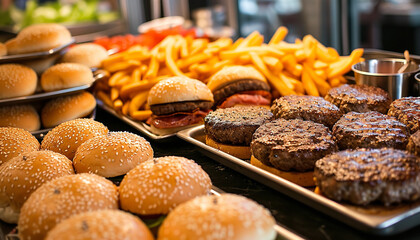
(242, 152)
(167, 131)
(304, 179)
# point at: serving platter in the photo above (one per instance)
(373, 219)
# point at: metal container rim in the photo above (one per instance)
(353, 67)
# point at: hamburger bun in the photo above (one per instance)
(227, 216)
(38, 38)
(20, 116)
(3, 50)
(102, 224)
(305, 179)
(62, 198)
(40, 65)
(242, 152)
(15, 141)
(178, 89)
(68, 136)
(159, 185)
(63, 109)
(231, 74)
(66, 75)
(23, 174)
(112, 155)
(17, 80)
(88, 54)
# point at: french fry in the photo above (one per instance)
(198, 58)
(104, 98)
(114, 94)
(136, 75)
(322, 85)
(247, 40)
(334, 82)
(118, 104)
(153, 68)
(319, 64)
(261, 50)
(122, 66)
(139, 55)
(136, 87)
(341, 67)
(116, 58)
(309, 85)
(198, 45)
(279, 35)
(141, 115)
(137, 102)
(124, 109)
(115, 78)
(169, 61)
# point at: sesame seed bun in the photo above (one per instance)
(88, 54)
(227, 216)
(112, 155)
(3, 50)
(67, 108)
(66, 75)
(179, 89)
(16, 80)
(23, 174)
(231, 74)
(68, 136)
(15, 141)
(20, 116)
(38, 38)
(62, 198)
(159, 185)
(102, 224)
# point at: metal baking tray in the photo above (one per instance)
(53, 94)
(29, 56)
(372, 219)
(140, 126)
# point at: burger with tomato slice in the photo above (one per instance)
(239, 85)
(178, 103)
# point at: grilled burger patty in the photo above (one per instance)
(407, 111)
(414, 143)
(311, 108)
(369, 130)
(238, 86)
(292, 144)
(235, 125)
(365, 175)
(359, 98)
(169, 108)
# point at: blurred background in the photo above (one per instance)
(343, 24)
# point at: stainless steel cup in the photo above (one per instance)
(383, 73)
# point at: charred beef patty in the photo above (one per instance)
(414, 143)
(407, 111)
(235, 125)
(369, 130)
(175, 107)
(292, 144)
(364, 175)
(238, 86)
(311, 108)
(359, 98)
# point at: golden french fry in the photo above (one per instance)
(262, 50)
(121, 66)
(334, 82)
(319, 64)
(123, 81)
(170, 62)
(288, 47)
(270, 61)
(125, 107)
(139, 55)
(153, 68)
(236, 44)
(141, 115)
(198, 45)
(322, 85)
(137, 102)
(143, 69)
(115, 78)
(118, 57)
(198, 58)
(136, 75)
(279, 35)
(257, 41)
(250, 38)
(321, 73)
(118, 104)
(309, 85)
(184, 48)
(136, 87)
(341, 67)
(104, 98)
(114, 94)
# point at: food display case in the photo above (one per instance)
(286, 48)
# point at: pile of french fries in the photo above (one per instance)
(303, 67)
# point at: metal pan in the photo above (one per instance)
(373, 219)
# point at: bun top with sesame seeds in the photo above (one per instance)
(227, 216)
(112, 155)
(20, 116)
(14, 141)
(68, 136)
(17, 80)
(62, 198)
(66, 75)
(102, 224)
(157, 186)
(22, 175)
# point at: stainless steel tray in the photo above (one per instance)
(140, 126)
(373, 219)
(29, 56)
(48, 95)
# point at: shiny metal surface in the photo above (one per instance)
(383, 73)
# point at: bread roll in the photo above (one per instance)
(63, 109)
(68, 136)
(88, 54)
(65, 75)
(38, 38)
(3, 50)
(20, 116)
(16, 80)
(23, 174)
(15, 141)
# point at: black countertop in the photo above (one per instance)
(289, 213)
